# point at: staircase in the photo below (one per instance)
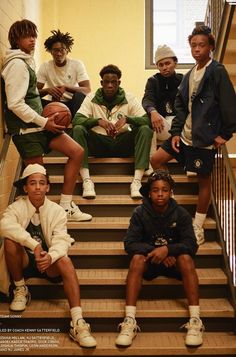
(102, 264)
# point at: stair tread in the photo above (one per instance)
(118, 277)
(117, 248)
(145, 344)
(96, 308)
(120, 200)
(120, 178)
(97, 160)
(119, 223)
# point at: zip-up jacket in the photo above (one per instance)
(213, 107)
(16, 219)
(94, 107)
(160, 93)
(24, 106)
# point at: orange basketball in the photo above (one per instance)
(64, 114)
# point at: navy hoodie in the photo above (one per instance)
(148, 230)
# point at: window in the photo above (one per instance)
(170, 22)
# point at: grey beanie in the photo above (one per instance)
(162, 52)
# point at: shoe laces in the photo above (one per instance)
(82, 329)
(194, 325)
(73, 208)
(20, 293)
(128, 326)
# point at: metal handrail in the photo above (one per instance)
(218, 17)
(224, 204)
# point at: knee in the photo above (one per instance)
(11, 247)
(145, 131)
(185, 264)
(78, 131)
(137, 263)
(155, 162)
(65, 265)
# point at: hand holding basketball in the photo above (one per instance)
(63, 116)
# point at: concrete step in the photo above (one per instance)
(114, 308)
(145, 344)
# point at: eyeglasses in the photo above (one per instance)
(57, 50)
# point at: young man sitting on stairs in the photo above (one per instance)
(112, 123)
(36, 244)
(160, 241)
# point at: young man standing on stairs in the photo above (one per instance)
(112, 123)
(160, 241)
(205, 119)
(32, 134)
(36, 244)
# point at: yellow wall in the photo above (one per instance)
(105, 31)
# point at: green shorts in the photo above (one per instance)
(33, 144)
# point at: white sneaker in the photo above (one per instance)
(199, 233)
(195, 329)
(128, 330)
(149, 171)
(21, 298)
(74, 214)
(134, 189)
(88, 189)
(81, 333)
(191, 173)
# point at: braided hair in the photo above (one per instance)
(58, 36)
(20, 29)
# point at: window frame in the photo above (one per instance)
(149, 39)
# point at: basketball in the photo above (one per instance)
(64, 114)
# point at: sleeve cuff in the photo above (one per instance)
(41, 121)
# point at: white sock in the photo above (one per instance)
(65, 201)
(199, 219)
(84, 173)
(194, 311)
(138, 174)
(19, 283)
(130, 311)
(76, 314)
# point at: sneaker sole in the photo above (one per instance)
(125, 345)
(89, 197)
(192, 345)
(74, 339)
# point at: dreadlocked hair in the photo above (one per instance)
(58, 36)
(203, 30)
(161, 175)
(21, 29)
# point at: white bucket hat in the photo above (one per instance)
(29, 170)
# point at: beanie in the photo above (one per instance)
(162, 52)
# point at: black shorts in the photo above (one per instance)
(155, 270)
(193, 159)
(31, 271)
